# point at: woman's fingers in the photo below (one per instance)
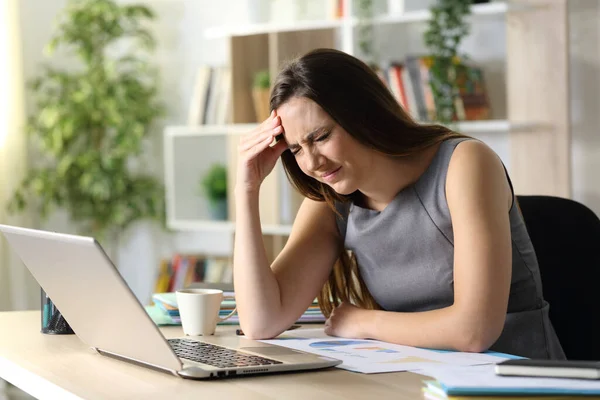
(260, 140)
(252, 152)
(269, 123)
(258, 137)
(272, 121)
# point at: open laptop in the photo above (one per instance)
(102, 310)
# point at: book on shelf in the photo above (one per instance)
(182, 270)
(335, 9)
(200, 94)
(409, 81)
(210, 103)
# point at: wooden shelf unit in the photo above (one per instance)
(391, 18)
(537, 89)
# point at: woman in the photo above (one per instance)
(440, 254)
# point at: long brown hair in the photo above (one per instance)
(355, 98)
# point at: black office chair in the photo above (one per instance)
(566, 238)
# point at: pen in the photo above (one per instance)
(239, 332)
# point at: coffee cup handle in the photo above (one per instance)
(225, 318)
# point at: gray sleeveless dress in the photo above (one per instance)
(405, 255)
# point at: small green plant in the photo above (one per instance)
(92, 120)
(446, 30)
(365, 32)
(262, 80)
(214, 183)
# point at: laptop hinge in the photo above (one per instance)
(132, 361)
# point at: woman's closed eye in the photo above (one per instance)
(323, 137)
(296, 149)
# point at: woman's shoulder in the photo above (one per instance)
(314, 214)
(476, 165)
(473, 154)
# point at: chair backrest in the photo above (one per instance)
(566, 238)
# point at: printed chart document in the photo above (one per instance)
(372, 356)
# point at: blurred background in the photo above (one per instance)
(119, 119)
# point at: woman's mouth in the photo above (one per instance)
(331, 175)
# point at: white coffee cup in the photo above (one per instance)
(199, 310)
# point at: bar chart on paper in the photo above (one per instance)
(372, 356)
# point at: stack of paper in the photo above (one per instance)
(467, 382)
(166, 311)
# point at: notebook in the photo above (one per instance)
(482, 380)
(434, 391)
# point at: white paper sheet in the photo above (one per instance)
(372, 356)
(482, 378)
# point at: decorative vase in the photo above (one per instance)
(262, 107)
(218, 210)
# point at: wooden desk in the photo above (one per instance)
(62, 366)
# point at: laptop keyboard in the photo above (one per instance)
(217, 356)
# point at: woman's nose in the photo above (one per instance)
(314, 161)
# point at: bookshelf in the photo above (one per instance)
(229, 133)
(536, 121)
(393, 18)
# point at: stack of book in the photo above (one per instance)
(210, 103)
(165, 308)
(481, 382)
(312, 315)
(409, 81)
(182, 270)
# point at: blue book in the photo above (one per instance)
(481, 380)
(168, 298)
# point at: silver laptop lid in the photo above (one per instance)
(91, 294)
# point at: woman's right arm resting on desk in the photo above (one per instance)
(270, 298)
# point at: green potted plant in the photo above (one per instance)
(365, 32)
(92, 120)
(261, 88)
(446, 30)
(214, 186)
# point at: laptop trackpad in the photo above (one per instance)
(272, 351)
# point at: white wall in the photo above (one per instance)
(584, 20)
(182, 49)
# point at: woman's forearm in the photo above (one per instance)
(256, 289)
(445, 328)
